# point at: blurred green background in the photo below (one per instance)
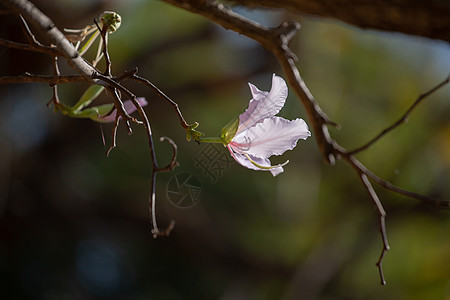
(74, 224)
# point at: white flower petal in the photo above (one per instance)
(256, 93)
(244, 161)
(264, 105)
(273, 136)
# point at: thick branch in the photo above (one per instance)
(415, 17)
(44, 25)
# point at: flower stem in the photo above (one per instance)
(216, 140)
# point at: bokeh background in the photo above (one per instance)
(74, 223)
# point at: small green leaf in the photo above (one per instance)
(88, 96)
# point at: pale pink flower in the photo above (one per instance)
(129, 108)
(260, 134)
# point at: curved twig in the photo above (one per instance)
(403, 119)
(173, 162)
(161, 95)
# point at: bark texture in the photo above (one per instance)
(427, 18)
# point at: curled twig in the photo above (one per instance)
(173, 162)
(152, 205)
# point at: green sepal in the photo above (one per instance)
(229, 131)
(88, 96)
(191, 133)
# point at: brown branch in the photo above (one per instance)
(103, 35)
(45, 26)
(403, 119)
(173, 162)
(161, 95)
(422, 18)
(382, 217)
(29, 35)
(51, 80)
(357, 165)
(28, 47)
(114, 135)
(55, 98)
(156, 232)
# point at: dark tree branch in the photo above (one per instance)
(403, 119)
(55, 98)
(155, 167)
(44, 25)
(51, 80)
(161, 94)
(29, 47)
(382, 218)
(414, 17)
(30, 36)
(357, 165)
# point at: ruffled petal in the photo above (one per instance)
(264, 105)
(257, 94)
(129, 108)
(273, 136)
(244, 161)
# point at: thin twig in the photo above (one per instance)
(103, 35)
(28, 47)
(173, 162)
(161, 95)
(121, 112)
(113, 135)
(29, 35)
(55, 97)
(155, 168)
(382, 217)
(361, 168)
(403, 119)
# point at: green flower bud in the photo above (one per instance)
(229, 131)
(111, 20)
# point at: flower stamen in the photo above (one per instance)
(265, 167)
